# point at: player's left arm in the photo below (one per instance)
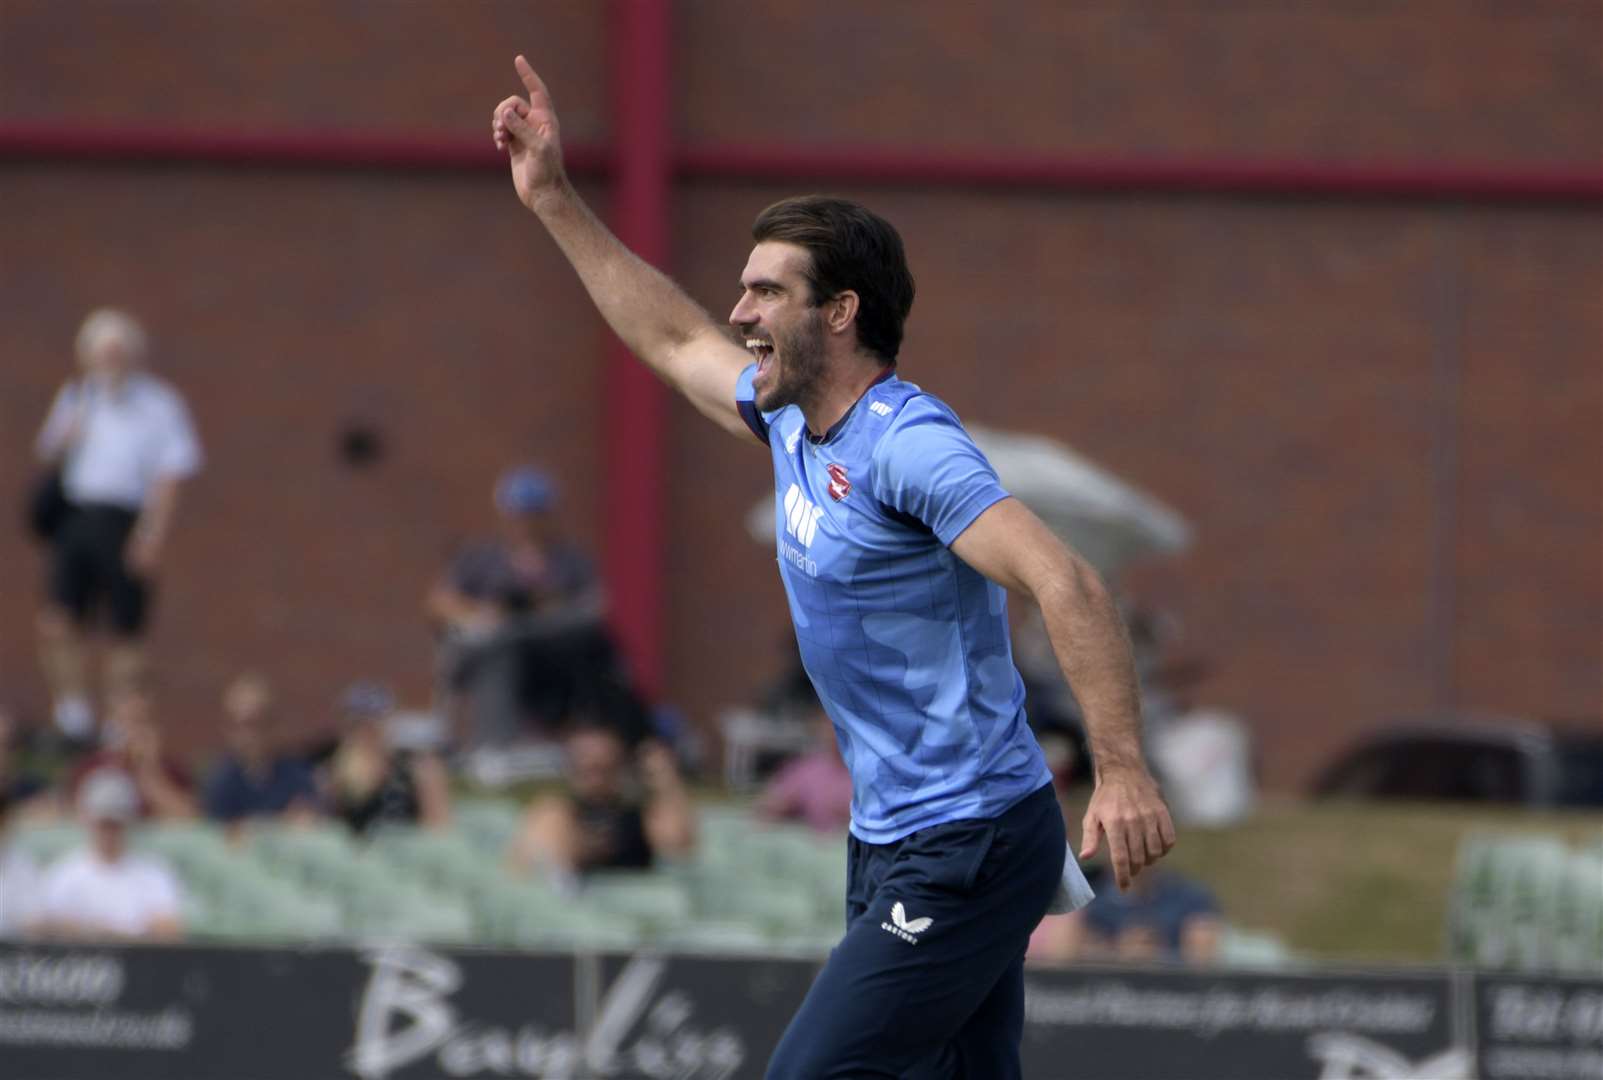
(1012, 547)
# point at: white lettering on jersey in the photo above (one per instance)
(801, 516)
(879, 408)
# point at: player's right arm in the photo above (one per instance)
(653, 316)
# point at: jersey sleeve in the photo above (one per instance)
(928, 468)
(746, 403)
(180, 449)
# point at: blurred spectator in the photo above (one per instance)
(116, 445)
(815, 787)
(20, 790)
(368, 781)
(252, 780)
(133, 746)
(519, 618)
(1163, 917)
(529, 567)
(604, 820)
(104, 891)
(19, 878)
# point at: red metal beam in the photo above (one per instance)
(993, 170)
(634, 423)
(70, 141)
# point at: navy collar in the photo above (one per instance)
(835, 428)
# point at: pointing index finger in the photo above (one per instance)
(531, 81)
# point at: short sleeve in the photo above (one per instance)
(162, 897)
(928, 468)
(58, 422)
(180, 449)
(59, 890)
(746, 403)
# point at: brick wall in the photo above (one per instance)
(1385, 420)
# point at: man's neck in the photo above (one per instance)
(849, 380)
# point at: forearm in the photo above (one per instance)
(651, 314)
(1089, 640)
(168, 801)
(156, 517)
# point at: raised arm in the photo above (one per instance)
(1010, 545)
(653, 316)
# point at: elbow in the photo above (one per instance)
(1069, 580)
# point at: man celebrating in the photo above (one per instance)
(896, 545)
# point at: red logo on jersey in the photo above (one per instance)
(839, 486)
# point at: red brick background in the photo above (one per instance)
(1385, 420)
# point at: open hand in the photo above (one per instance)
(527, 131)
(1127, 808)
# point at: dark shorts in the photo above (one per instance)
(89, 570)
(929, 979)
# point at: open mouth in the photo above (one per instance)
(763, 351)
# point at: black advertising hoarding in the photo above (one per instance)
(1539, 1029)
(699, 1017)
(410, 1013)
(170, 1013)
(1179, 1025)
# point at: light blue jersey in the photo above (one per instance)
(906, 644)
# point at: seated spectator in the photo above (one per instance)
(519, 618)
(19, 878)
(251, 781)
(815, 787)
(367, 781)
(611, 816)
(104, 891)
(1162, 917)
(24, 792)
(133, 746)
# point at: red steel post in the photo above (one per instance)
(633, 413)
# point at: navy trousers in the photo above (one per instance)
(929, 980)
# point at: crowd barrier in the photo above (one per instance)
(406, 1013)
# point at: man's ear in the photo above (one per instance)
(841, 310)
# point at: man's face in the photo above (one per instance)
(109, 359)
(246, 704)
(596, 764)
(109, 836)
(779, 324)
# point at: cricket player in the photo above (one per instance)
(896, 546)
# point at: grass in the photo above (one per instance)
(1349, 881)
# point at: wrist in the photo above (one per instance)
(550, 198)
(1121, 770)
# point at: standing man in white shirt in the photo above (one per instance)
(124, 443)
(104, 892)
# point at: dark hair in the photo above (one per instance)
(852, 248)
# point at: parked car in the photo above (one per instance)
(1474, 759)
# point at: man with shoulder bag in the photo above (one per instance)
(116, 446)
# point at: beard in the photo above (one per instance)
(800, 356)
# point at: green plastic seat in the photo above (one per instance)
(654, 899)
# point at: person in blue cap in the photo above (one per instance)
(500, 594)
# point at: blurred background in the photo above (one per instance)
(1307, 299)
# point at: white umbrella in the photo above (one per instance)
(1105, 519)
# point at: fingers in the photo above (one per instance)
(1119, 853)
(511, 108)
(1090, 836)
(531, 81)
(515, 120)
